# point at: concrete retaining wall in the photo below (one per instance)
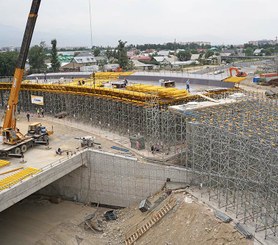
(49, 174)
(114, 180)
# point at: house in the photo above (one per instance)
(162, 60)
(141, 66)
(163, 52)
(101, 60)
(111, 67)
(85, 58)
(195, 57)
(257, 51)
(93, 68)
(72, 66)
(80, 60)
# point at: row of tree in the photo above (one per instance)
(171, 46)
(36, 57)
(38, 54)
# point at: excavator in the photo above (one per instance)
(238, 72)
(14, 142)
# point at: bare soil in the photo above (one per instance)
(38, 221)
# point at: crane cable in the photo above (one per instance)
(90, 14)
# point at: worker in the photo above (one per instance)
(188, 85)
(152, 149)
(22, 158)
(42, 112)
(38, 112)
(28, 116)
(59, 151)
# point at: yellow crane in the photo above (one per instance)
(17, 142)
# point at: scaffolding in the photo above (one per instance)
(233, 153)
(231, 148)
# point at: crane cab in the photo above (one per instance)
(12, 137)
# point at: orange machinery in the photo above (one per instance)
(238, 72)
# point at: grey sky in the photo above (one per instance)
(141, 21)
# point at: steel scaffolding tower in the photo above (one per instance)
(233, 151)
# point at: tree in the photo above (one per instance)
(209, 53)
(248, 51)
(268, 51)
(121, 55)
(37, 57)
(96, 52)
(184, 55)
(109, 53)
(8, 63)
(55, 63)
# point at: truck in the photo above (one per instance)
(39, 133)
(14, 143)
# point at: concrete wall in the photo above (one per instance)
(198, 81)
(114, 180)
(49, 174)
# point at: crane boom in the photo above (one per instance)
(10, 120)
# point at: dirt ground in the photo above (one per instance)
(38, 221)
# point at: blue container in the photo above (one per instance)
(256, 79)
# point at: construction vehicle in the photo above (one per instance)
(14, 142)
(39, 133)
(86, 141)
(238, 72)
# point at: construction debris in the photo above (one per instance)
(171, 185)
(110, 215)
(223, 217)
(242, 230)
(144, 205)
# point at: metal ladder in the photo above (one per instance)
(151, 222)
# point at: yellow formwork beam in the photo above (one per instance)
(17, 177)
(137, 94)
(4, 163)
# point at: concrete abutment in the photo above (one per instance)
(114, 180)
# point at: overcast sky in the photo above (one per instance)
(141, 21)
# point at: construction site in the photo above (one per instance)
(221, 144)
(132, 158)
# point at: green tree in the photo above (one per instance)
(8, 63)
(184, 55)
(121, 55)
(109, 53)
(37, 58)
(96, 52)
(55, 63)
(209, 53)
(268, 51)
(248, 51)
